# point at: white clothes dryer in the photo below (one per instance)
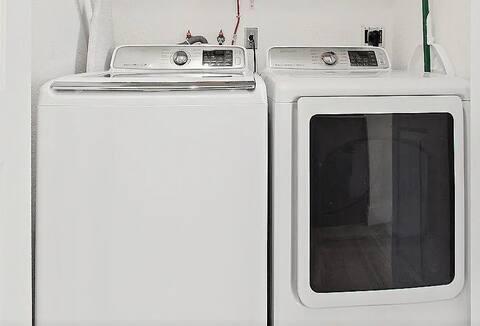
(368, 213)
(152, 192)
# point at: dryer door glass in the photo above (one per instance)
(382, 201)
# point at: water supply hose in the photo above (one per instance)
(195, 39)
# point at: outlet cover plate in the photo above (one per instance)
(368, 29)
(251, 31)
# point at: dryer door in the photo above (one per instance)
(379, 200)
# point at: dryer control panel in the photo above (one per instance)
(329, 58)
(178, 57)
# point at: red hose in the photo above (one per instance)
(237, 24)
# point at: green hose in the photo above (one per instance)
(426, 48)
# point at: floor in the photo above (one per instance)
(351, 258)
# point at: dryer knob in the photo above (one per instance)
(330, 58)
(180, 58)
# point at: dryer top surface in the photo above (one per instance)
(288, 85)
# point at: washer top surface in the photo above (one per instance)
(308, 72)
(178, 74)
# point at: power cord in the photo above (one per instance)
(251, 38)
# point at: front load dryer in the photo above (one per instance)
(368, 190)
(152, 192)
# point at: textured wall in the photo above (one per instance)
(15, 235)
(60, 27)
(281, 22)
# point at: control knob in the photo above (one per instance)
(180, 58)
(330, 58)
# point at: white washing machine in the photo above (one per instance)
(152, 192)
(368, 196)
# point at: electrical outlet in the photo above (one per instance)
(251, 31)
(373, 36)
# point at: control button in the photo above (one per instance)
(180, 58)
(330, 58)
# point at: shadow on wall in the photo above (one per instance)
(84, 10)
(101, 41)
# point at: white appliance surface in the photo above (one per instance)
(288, 86)
(151, 206)
(167, 68)
(306, 88)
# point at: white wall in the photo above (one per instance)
(59, 33)
(475, 178)
(287, 22)
(451, 29)
(451, 23)
(58, 40)
(281, 22)
(59, 47)
(15, 217)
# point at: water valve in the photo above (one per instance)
(221, 38)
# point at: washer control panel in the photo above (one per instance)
(218, 58)
(329, 58)
(178, 57)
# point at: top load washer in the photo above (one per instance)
(368, 190)
(152, 192)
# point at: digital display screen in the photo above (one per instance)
(363, 58)
(218, 58)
